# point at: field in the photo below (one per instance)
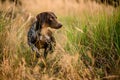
(88, 44)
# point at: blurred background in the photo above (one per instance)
(88, 44)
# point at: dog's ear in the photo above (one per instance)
(41, 18)
(38, 17)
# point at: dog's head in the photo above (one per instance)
(49, 19)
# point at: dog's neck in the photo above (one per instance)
(45, 33)
(44, 29)
(38, 26)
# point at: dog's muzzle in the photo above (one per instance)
(59, 25)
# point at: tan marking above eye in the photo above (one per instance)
(51, 18)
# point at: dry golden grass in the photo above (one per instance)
(16, 61)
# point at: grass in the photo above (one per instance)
(97, 43)
(88, 47)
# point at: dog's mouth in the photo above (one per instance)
(57, 26)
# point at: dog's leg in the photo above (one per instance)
(52, 44)
(36, 51)
(45, 53)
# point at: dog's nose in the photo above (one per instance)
(59, 25)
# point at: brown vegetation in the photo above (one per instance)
(87, 46)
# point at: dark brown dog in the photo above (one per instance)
(39, 35)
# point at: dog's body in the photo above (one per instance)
(39, 35)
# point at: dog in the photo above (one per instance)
(39, 34)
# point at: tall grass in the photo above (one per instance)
(88, 46)
(97, 43)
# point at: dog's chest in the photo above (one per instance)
(43, 39)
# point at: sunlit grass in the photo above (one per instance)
(96, 42)
(88, 46)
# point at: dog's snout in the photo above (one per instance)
(59, 25)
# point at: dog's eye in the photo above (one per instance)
(51, 18)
